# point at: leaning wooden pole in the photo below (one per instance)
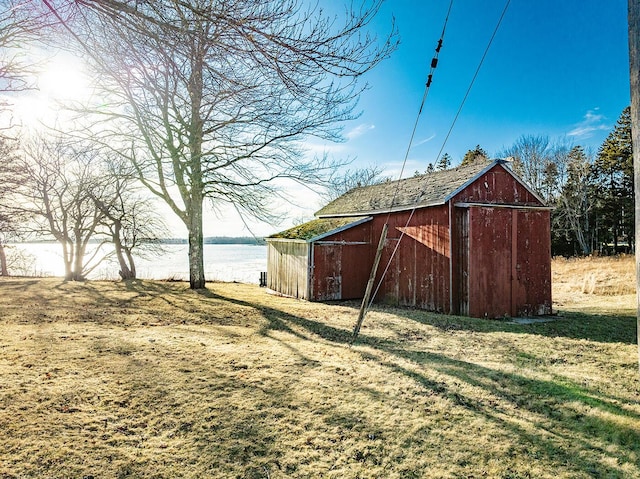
(370, 283)
(634, 70)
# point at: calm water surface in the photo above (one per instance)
(242, 263)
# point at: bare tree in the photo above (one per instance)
(16, 30)
(531, 158)
(541, 163)
(25, 27)
(343, 181)
(17, 27)
(56, 194)
(130, 219)
(574, 205)
(81, 197)
(211, 100)
(10, 174)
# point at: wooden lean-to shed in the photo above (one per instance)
(473, 240)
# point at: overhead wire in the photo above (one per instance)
(434, 63)
(367, 300)
(427, 87)
(475, 75)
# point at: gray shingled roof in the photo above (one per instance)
(319, 228)
(424, 190)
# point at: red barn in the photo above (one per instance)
(473, 240)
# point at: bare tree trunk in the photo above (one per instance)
(132, 264)
(68, 261)
(77, 261)
(634, 69)
(196, 250)
(4, 270)
(125, 272)
(584, 245)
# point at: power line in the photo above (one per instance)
(367, 302)
(475, 75)
(433, 66)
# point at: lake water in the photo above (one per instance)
(222, 262)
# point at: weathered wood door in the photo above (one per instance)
(327, 272)
(503, 261)
(485, 256)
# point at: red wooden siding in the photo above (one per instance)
(496, 186)
(509, 264)
(341, 265)
(490, 262)
(491, 258)
(418, 275)
(534, 263)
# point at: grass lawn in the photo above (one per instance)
(151, 380)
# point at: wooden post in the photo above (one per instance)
(370, 283)
(634, 70)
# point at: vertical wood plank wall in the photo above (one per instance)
(534, 263)
(509, 262)
(418, 274)
(288, 267)
(342, 263)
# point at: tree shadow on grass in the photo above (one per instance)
(603, 328)
(282, 321)
(563, 429)
(559, 405)
(18, 284)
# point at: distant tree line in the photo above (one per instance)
(218, 240)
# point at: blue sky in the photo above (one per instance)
(555, 68)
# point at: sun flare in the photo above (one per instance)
(60, 83)
(64, 79)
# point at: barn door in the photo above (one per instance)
(462, 258)
(327, 272)
(491, 265)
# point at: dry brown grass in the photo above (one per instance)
(151, 380)
(595, 283)
(599, 275)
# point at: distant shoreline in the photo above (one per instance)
(219, 240)
(207, 240)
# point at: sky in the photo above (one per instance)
(555, 68)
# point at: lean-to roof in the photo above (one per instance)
(317, 229)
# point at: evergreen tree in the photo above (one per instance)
(444, 162)
(472, 156)
(614, 193)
